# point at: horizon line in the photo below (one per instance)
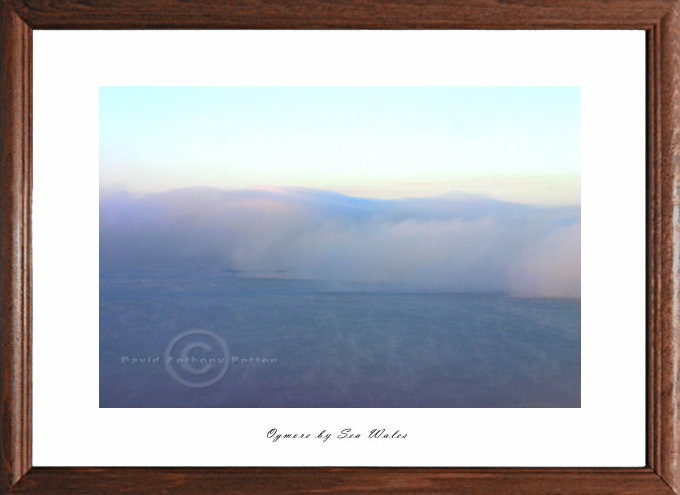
(453, 194)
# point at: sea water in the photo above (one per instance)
(208, 337)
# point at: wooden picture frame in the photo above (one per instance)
(661, 21)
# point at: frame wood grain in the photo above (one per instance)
(661, 21)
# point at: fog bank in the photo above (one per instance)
(456, 242)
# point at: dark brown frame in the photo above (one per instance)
(661, 21)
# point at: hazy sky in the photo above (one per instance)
(520, 144)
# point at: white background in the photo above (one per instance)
(70, 429)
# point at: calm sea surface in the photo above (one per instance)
(199, 337)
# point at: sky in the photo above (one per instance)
(517, 144)
(425, 188)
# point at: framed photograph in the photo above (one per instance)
(355, 249)
(362, 273)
